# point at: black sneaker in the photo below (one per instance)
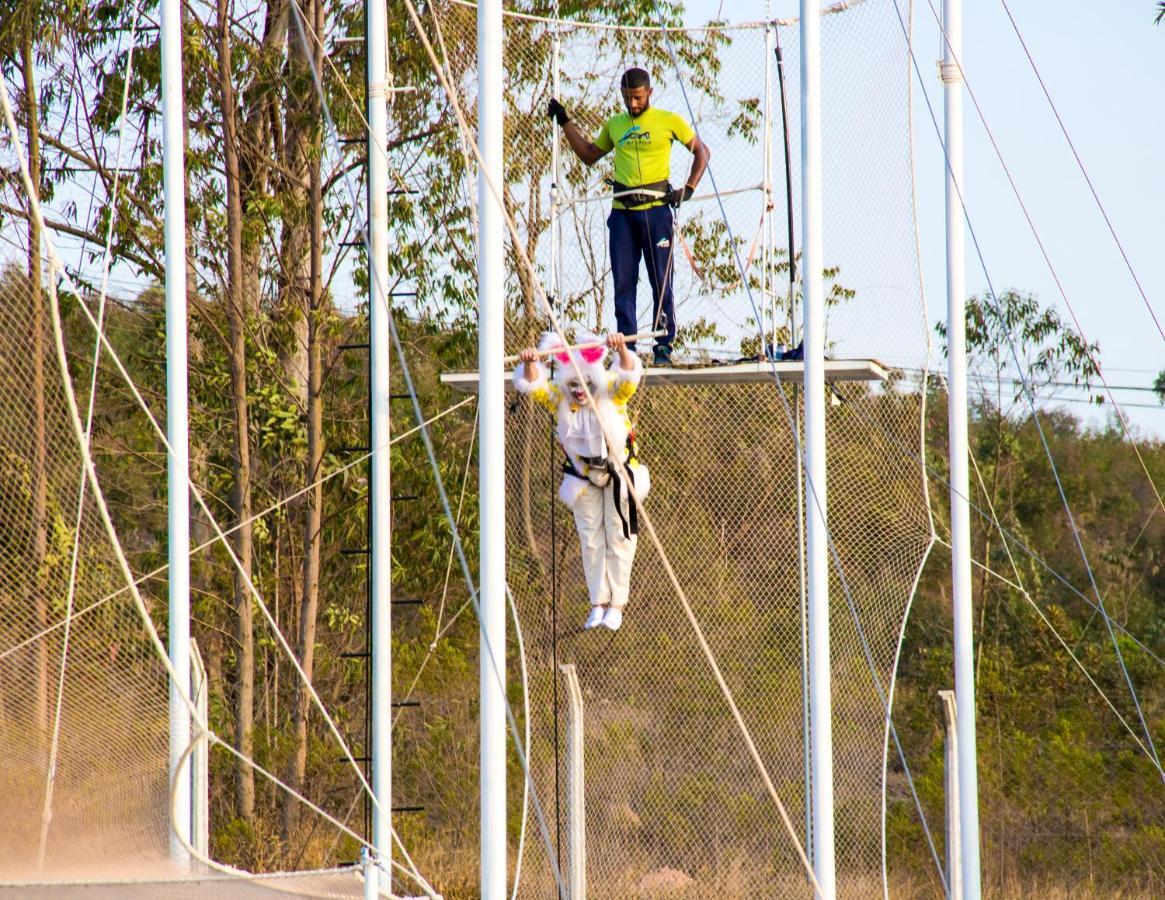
(662, 355)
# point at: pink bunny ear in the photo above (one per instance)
(592, 354)
(563, 358)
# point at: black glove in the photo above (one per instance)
(557, 111)
(679, 195)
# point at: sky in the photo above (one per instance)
(1104, 67)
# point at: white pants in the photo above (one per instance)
(606, 554)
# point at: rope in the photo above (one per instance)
(54, 744)
(812, 490)
(1027, 391)
(788, 180)
(1083, 170)
(519, 250)
(830, 10)
(756, 245)
(526, 722)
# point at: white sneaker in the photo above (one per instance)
(613, 618)
(595, 618)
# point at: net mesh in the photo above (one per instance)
(84, 697)
(670, 788)
(111, 806)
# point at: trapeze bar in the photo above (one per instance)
(737, 373)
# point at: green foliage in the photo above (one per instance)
(1059, 772)
(1013, 334)
(1065, 792)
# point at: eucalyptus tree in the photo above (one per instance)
(1018, 349)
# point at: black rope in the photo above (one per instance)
(554, 651)
(788, 176)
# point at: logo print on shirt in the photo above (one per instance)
(636, 134)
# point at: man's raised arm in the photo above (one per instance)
(583, 147)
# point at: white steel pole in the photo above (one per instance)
(492, 448)
(821, 716)
(951, 789)
(555, 185)
(177, 417)
(960, 481)
(575, 785)
(380, 487)
(768, 282)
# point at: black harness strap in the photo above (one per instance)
(640, 194)
(629, 519)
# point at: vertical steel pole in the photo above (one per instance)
(951, 789)
(177, 416)
(492, 462)
(821, 716)
(555, 185)
(960, 480)
(380, 486)
(768, 282)
(576, 785)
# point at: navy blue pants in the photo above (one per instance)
(646, 234)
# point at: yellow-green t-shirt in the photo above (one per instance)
(643, 146)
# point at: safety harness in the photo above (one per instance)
(605, 465)
(640, 194)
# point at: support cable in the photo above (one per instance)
(1084, 171)
(1029, 393)
(645, 518)
(71, 598)
(813, 493)
(289, 498)
(1018, 584)
(1047, 257)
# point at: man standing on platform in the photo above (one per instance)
(641, 223)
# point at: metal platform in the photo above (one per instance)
(737, 373)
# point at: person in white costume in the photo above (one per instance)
(594, 484)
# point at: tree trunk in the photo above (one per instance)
(313, 499)
(301, 140)
(241, 462)
(39, 488)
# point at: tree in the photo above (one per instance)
(1014, 329)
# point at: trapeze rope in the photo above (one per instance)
(426, 439)
(709, 656)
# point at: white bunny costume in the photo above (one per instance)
(594, 484)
